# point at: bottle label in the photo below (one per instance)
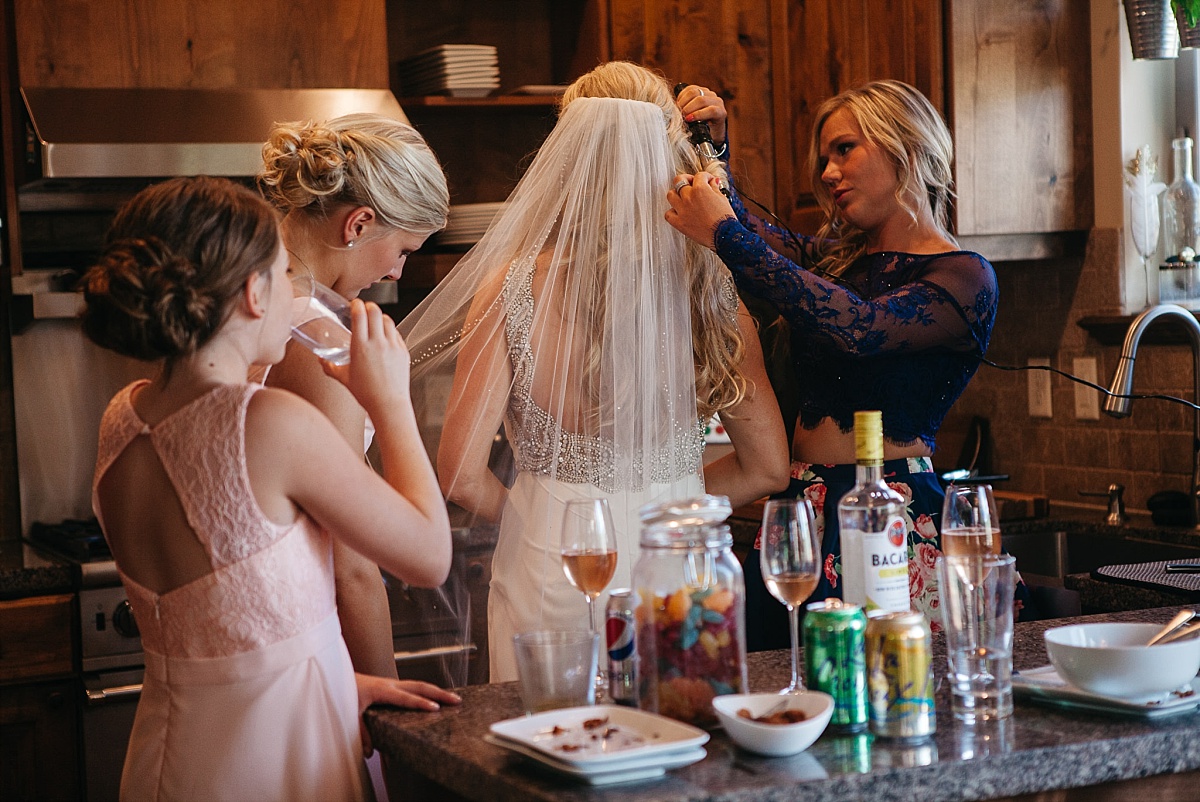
(875, 567)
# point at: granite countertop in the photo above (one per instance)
(25, 571)
(1040, 748)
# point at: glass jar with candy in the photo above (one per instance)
(691, 621)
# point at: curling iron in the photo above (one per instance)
(701, 139)
(699, 134)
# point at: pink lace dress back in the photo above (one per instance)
(249, 691)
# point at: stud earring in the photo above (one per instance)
(350, 244)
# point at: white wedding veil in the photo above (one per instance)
(571, 318)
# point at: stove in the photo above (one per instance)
(110, 650)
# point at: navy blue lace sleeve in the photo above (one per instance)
(899, 332)
(889, 301)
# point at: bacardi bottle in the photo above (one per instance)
(873, 529)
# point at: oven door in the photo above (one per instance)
(440, 635)
(109, 703)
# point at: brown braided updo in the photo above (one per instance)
(175, 258)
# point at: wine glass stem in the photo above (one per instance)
(591, 611)
(794, 620)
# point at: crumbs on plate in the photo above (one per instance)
(594, 736)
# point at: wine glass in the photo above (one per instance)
(970, 520)
(791, 564)
(589, 551)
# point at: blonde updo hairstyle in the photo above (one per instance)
(356, 160)
(901, 121)
(175, 259)
(716, 339)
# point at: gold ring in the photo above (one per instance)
(683, 182)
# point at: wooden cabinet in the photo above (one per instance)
(39, 741)
(39, 730)
(35, 637)
(1022, 111)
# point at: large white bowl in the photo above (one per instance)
(1113, 659)
(775, 740)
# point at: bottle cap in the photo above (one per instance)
(868, 437)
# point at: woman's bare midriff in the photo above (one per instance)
(826, 444)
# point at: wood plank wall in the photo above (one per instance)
(259, 44)
(724, 45)
(832, 45)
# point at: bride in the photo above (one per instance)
(602, 340)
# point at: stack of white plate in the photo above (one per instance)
(467, 223)
(458, 70)
(602, 744)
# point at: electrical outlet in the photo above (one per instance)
(1087, 400)
(1039, 390)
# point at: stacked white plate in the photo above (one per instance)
(1045, 685)
(603, 744)
(467, 223)
(457, 70)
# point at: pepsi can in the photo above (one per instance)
(619, 628)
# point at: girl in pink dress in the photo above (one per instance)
(220, 499)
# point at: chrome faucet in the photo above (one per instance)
(1116, 503)
(1122, 383)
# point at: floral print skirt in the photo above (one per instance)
(824, 485)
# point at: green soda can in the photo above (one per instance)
(835, 660)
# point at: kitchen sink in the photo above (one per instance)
(1051, 555)
(1044, 557)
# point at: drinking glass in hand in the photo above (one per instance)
(589, 549)
(970, 521)
(320, 319)
(791, 564)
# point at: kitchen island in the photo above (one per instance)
(442, 755)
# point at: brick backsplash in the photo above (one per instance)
(1040, 304)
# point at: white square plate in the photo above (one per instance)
(643, 768)
(571, 735)
(1045, 684)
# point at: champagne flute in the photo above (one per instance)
(791, 564)
(970, 520)
(589, 551)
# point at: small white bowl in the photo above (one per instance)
(1114, 660)
(775, 740)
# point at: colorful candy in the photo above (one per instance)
(693, 635)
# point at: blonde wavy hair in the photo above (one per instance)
(716, 339)
(357, 160)
(901, 121)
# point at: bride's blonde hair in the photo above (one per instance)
(716, 339)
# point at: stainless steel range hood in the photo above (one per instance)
(153, 133)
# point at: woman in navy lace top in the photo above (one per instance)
(885, 311)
